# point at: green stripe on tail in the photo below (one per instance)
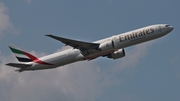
(20, 54)
(16, 51)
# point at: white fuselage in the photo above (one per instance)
(120, 41)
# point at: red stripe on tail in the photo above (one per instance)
(35, 59)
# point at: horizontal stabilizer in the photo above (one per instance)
(19, 65)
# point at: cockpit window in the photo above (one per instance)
(167, 25)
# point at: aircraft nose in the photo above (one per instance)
(171, 28)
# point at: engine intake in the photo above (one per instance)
(117, 54)
(108, 45)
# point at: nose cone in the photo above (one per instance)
(171, 28)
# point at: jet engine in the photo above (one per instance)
(107, 45)
(117, 54)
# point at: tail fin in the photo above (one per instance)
(21, 55)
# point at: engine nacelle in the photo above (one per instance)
(117, 54)
(108, 45)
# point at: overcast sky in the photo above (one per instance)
(149, 72)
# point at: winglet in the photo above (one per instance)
(48, 35)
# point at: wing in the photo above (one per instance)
(83, 46)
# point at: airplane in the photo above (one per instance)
(111, 47)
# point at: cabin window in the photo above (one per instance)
(167, 25)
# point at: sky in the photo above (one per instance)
(149, 72)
